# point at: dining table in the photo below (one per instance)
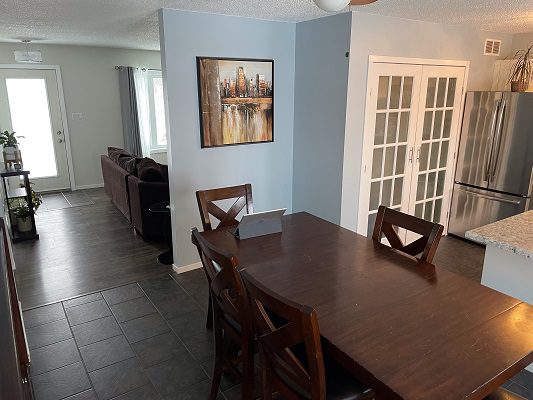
(404, 327)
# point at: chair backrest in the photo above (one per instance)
(289, 343)
(230, 301)
(387, 219)
(206, 205)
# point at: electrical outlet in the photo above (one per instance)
(78, 116)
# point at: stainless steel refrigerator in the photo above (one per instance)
(494, 177)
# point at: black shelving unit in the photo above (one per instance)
(24, 192)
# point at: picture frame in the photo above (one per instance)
(236, 101)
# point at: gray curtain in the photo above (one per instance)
(130, 117)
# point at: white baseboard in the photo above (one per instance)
(93, 186)
(186, 268)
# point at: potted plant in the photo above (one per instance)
(10, 144)
(522, 70)
(22, 212)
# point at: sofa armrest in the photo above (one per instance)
(142, 195)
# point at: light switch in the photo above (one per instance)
(77, 116)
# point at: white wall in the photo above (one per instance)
(388, 36)
(267, 166)
(521, 41)
(90, 84)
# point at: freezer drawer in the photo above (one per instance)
(472, 208)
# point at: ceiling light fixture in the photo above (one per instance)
(337, 5)
(27, 55)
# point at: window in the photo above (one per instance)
(158, 130)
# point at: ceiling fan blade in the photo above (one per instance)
(361, 2)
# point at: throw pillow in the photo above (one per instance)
(149, 171)
(115, 153)
(128, 163)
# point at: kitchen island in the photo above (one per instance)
(508, 265)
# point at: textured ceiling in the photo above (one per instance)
(133, 23)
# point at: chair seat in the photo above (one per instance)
(504, 394)
(341, 385)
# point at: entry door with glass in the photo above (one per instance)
(411, 129)
(30, 106)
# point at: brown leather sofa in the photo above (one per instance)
(133, 185)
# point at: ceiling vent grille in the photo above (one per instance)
(492, 47)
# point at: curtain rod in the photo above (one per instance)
(143, 69)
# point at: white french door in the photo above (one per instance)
(411, 129)
(30, 106)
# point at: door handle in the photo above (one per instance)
(60, 140)
(59, 133)
(498, 139)
(491, 140)
(411, 155)
(489, 197)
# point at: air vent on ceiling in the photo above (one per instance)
(492, 47)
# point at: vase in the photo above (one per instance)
(24, 224)
(519, 86)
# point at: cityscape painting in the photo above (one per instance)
(236, 101)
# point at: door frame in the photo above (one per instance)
(62, 107)
(368, 135)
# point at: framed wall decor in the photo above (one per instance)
(236, 101)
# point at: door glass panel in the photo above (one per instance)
(398, 188)
(404, 126)
(437, 211)
(424, 153)
(444, 153)
(377, 161)
(30, 117)
(388, 170)
(428, 210)
(379, 131)
(396, 84)
(386, 192)
(419, 210)
(371, 222)
(441, 94)
(437, 125)
(447, 124)
(383, 92)
(392, 127)
(430, 97)
(452, 84)
(400, 160)
(428, 121)
(407, 90)
(374, 196)
(421, 187)
(440, 183)
(434, 155)
(430, 191)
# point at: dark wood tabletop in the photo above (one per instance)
(406, 328)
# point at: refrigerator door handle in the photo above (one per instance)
(488, 197)
(491, 140)
(498, 139)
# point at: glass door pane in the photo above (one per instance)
(30, 118)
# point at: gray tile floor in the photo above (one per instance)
(145, 340)
(140, 341)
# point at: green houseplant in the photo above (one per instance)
(8, 139)
(522, 70)
(18, 207)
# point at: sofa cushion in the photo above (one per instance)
(149, 171)
(115, 153)
(164, 172)
(129, 163)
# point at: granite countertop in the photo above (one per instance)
(514, 234)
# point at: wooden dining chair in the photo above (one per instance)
(206, 198)
(291, 353)
(232, 320)
(388, 219)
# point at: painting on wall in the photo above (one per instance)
(236, 101)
